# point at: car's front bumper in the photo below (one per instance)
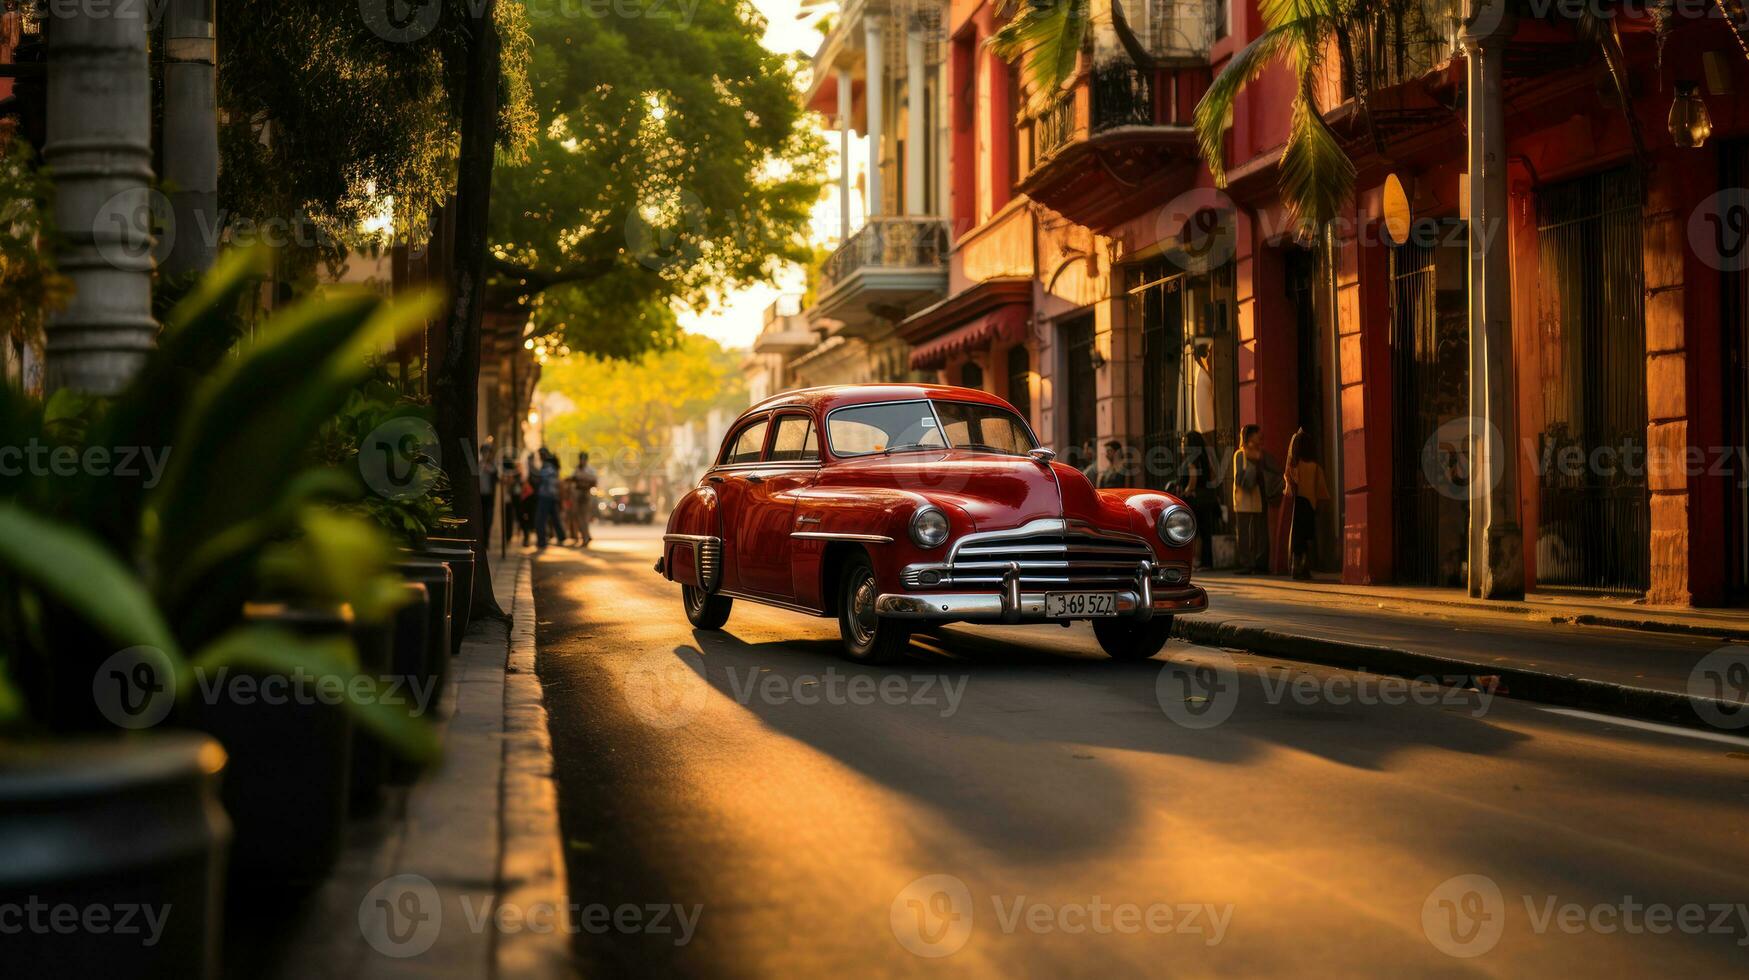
(1029, 607)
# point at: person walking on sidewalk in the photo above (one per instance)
(1253, 478)
(1197, 486)
(1305, 487)
(1115, 474)
(577, 487)
(546, 505)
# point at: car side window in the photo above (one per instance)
(796, 440)
(748, 444)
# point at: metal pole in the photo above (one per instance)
(1497, 567)
(191, 136)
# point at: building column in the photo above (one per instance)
(98, 148)
(916, 111)
(1496, 538)
(874, 27)
(844, 93)
(191, 136)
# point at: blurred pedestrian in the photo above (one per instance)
(546, 501)
(1115, 472)
(1252, 478)
(577, 487)
(1198, 486)
(526, 496)
(1305, 487)
(488, 474)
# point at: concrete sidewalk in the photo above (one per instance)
(461, 875)
(1590, 654)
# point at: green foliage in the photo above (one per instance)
(331, 122)
(1045, 37)
(97, 559)
(625, 408)
(672, 162)
(29, 285)
(379, 401)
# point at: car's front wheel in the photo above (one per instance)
(1128, 639)
(704, 610)
(867, 637)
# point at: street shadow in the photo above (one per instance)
(1007, 727)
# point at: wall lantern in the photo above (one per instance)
(1689, 123)
(1097, 356)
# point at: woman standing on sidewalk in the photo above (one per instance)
(1305, 487)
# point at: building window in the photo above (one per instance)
(972, 376)
(1020, 380)
(1082, 424)
(1189, 365)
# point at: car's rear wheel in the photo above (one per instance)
(1129, 639)
(704, 610)
(868, 638)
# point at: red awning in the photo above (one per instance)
(1003, 325)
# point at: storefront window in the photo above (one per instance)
(1190, 372)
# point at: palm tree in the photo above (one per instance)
(1317, 175)
(1046, 37)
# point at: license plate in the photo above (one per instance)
(1074, 605)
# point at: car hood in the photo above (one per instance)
(995, 491)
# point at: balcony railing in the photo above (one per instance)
(887, 243)
(1055, 127)
(1122, 96)
(1399, 46)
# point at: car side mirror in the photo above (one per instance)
(1042, 455)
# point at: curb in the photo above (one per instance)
(1553, 613)
(532, 860)
(1667, 707)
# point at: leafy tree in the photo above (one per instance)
(626, 407)
(672, 162)
(342, 111)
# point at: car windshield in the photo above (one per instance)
(899, 426)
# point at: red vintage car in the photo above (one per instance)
(890, 505)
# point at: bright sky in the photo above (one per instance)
(737, 320)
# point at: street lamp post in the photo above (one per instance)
(1496, 537)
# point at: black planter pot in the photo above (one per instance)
(439, 586)
(410, 662)
(370, 757)
(458, 553)
(112, 824)
(291, 751)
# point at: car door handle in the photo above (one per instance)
(715, 479)
(755, 478)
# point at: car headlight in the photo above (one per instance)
(1177, 526)
(929, 527)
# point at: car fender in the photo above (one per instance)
(694, 519)
(1143, 509)
(876, 518)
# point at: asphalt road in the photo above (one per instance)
(1011, 802)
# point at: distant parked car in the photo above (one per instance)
(629, 507)
(888, 506)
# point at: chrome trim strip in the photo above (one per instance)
(688, 538)
(707, 557)
(989, 605)
(838, 536)
(769, 601)
(1043, 526)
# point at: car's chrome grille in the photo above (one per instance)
(1050, 559)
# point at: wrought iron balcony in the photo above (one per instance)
(886, 270)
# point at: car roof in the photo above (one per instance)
(825, 399)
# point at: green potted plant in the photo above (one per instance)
(121, 589)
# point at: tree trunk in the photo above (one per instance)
(191, 137)
(456, 385)
(98, 148)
